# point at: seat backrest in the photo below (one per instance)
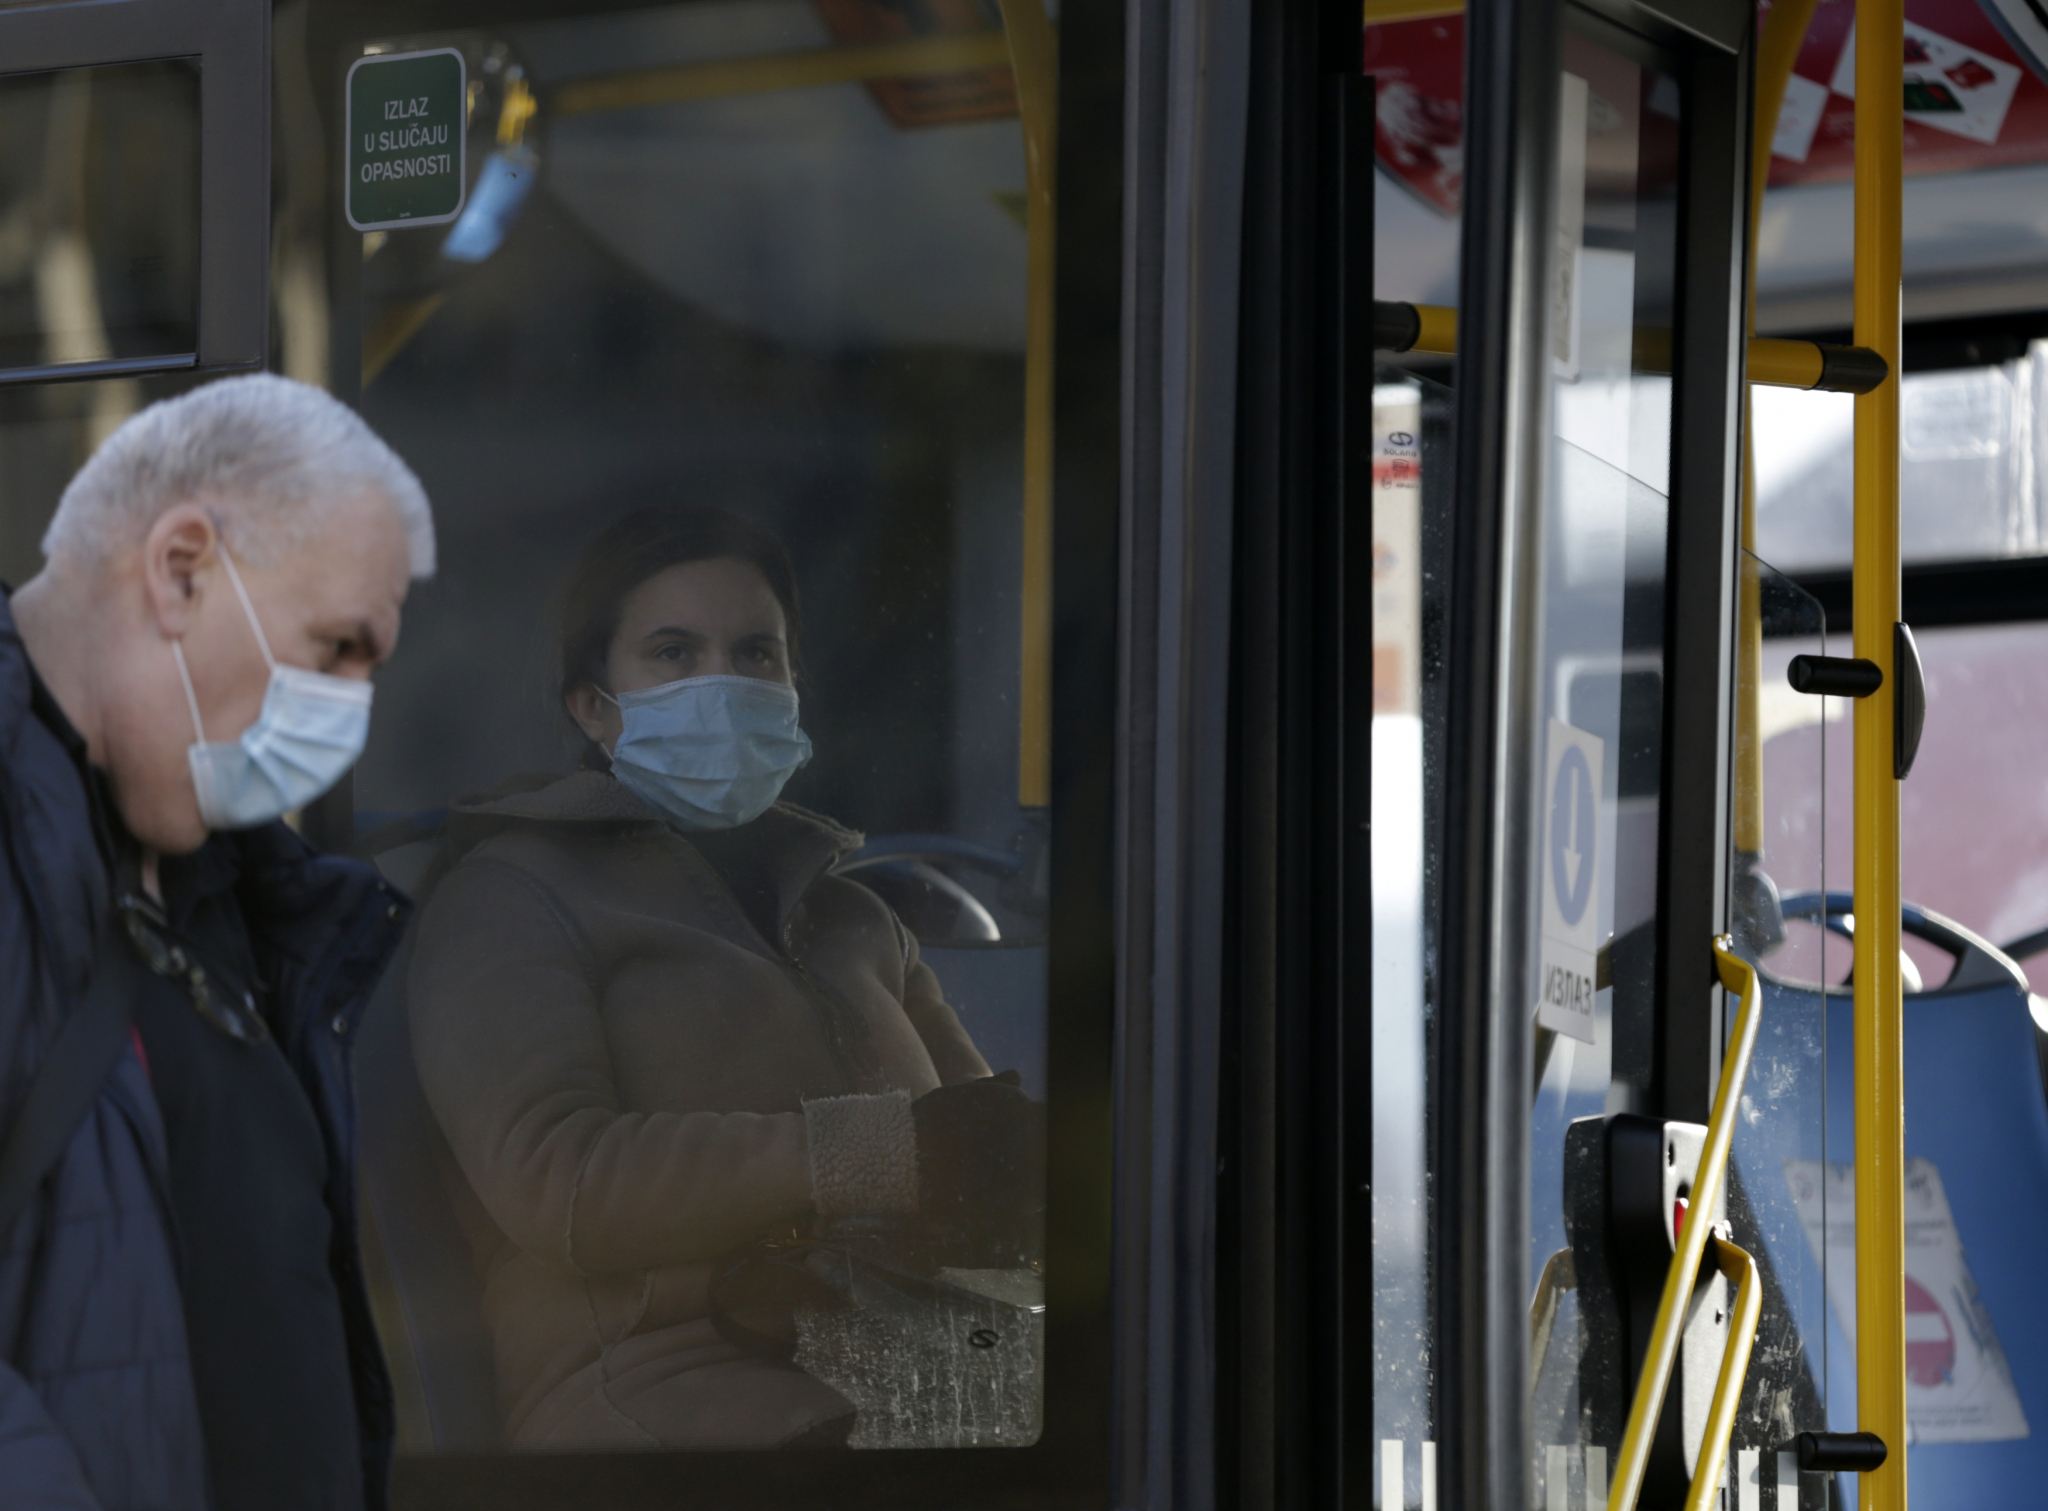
(1976, 1210)
(407, 1169)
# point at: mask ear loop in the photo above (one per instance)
(262, 641)
(191, 698)
(609, 755)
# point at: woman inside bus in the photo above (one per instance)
(656, 1029)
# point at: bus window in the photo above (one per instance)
(1596, 732)
(1970, 442)
(709, 1107)
(99, 214)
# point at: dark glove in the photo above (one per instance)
(981, 1163)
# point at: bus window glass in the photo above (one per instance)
(1971, 447)
(1418, 72)
(1596, 735)
(1411, 478)
(99, 214)
(1783, 1185)
(716, 752)
(1974, 813)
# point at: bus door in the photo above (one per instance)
(1578, 849)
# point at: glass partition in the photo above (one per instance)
(677, 1127)
(1785, 1201)
(1590, 874)
(1411, 482)
(1971, 448)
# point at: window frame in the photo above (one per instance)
(230, 40)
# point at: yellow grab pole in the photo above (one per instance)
(1880, 1084)
(919, 57)
(1034, 60)
(1777, 50)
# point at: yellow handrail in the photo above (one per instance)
(1034, 61)
(1744, 1308)
(1560, 1274)
(1773, 361)
(918, 57)
(1378, 11)
(1737, 975)
(1879, 1093)
(1784, 29)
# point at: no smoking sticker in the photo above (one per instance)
(1571, 882)
(1959, 1387)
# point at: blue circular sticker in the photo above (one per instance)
(1571, 836)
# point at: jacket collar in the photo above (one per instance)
(790, 845)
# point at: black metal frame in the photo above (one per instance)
(1297, 1240)
(231, 40)
(1951, 594)
(1699, 630)
(1479, 1156)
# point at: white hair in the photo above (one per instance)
(266, 451)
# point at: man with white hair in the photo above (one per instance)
(183, 1322)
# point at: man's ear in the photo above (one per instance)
(594, 715)
(177, 557)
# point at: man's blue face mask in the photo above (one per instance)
(311, 730)
(709, 752)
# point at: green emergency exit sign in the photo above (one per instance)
(406, 114)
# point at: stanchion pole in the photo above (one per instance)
(1879, 1002)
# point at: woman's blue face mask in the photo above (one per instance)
(709, 752)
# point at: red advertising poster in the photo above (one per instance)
(1419, 69)
(1974, 97)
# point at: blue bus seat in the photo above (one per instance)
(1976, 1140)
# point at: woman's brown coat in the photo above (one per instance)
(647, 1050)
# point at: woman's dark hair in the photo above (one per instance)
(650, 541)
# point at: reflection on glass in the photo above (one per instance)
(1780, 1204)
(1411, 439)
(99, 213)
(686, 1136)
(1597, 737)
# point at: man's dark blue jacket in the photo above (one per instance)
(96, 1399)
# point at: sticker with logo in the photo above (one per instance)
(1959, 1387)
(1568, 956)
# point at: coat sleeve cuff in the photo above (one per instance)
(863, 1154)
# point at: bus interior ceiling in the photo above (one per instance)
(784, 356)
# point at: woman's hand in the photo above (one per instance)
(981, 1162)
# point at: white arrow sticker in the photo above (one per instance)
(1571, 882)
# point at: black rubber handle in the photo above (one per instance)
(1850, 1452)
(1834, 676)
(1395, 327)
(1909, 701)
(1850, 369)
